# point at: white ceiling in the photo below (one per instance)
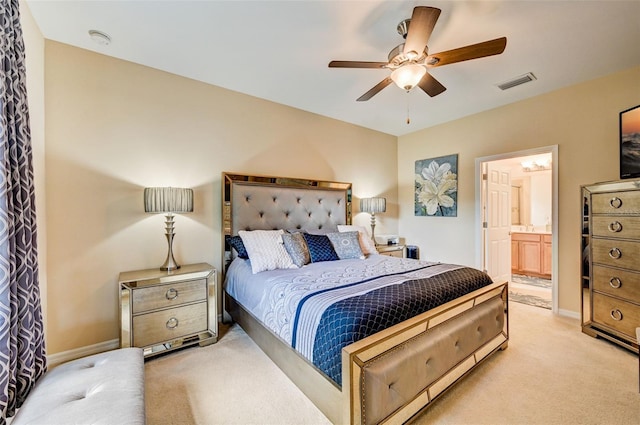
(279, 50)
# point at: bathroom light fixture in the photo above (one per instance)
(168, 200)
(100, 37)
(537, 165)
(373, 206)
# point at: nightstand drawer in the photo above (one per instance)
(153, 297)
(396, 253)
(165, 325)
(391, 250)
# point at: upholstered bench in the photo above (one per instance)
(106, 388)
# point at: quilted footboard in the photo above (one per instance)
(397, 375)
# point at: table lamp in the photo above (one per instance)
(373, 206)
(168, 200)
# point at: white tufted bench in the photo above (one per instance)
(106, 388)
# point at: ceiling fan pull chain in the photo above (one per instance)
(408, 117)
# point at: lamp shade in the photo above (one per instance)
(168, 200)
(373, 205)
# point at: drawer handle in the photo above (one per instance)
(172, 323)
(171, 294)
(616, 315)
(615, 282)
(615, 227)
(615, 202)
(615, 253)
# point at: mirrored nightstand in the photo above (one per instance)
(396, 250)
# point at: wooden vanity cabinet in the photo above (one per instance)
(531, 254)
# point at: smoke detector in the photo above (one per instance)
(100, 37)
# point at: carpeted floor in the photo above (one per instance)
(550, 374)
(529, 290)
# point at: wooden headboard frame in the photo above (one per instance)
(271, 203)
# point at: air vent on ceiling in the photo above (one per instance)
(517, 81)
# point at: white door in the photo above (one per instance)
(498, 223)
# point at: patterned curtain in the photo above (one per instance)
(22, 353)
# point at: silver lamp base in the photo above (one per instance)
(170, 263)
(373, 227)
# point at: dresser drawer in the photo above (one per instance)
(617, 253)
(616, 227)
(620, 283)
(166, 325)
(162, 296)
(618, 315)
(616, 203)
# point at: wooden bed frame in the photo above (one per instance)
(444, 343)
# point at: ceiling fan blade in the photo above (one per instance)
(356, 64)
(375, 90)
(473, 51)
(430, 85)
(422, 22)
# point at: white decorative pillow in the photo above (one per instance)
(266, 250)
(366, 243)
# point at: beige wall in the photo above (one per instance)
(114, 127)
(582, 120)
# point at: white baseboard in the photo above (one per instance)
(569, 313)
(65, 356)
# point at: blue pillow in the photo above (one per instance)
(346, 244)
(237, 244)
(320, 248)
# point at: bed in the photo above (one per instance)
(426, 324)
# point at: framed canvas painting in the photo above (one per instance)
(436, 186)
(630, 143)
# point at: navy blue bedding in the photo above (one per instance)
(355, 318)
(323, 307)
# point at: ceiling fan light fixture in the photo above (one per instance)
(408, 76)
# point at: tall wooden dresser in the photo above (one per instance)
(611, 261)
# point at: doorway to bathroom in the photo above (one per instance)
(517, 216)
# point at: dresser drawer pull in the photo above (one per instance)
(615, 202)
(173, 323)
(616, 315)
(171, 294)
(615, 282)
(615, 227)
(615, 253)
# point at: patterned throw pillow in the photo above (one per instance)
(346, 244)
(236, 243)
(320, 248)
(366, 243)
(266, 250)
(296, 246)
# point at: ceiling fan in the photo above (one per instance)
(409, 61)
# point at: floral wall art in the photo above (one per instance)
(436, 191)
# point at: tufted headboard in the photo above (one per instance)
(270, 203)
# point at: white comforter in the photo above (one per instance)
(274, 296)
